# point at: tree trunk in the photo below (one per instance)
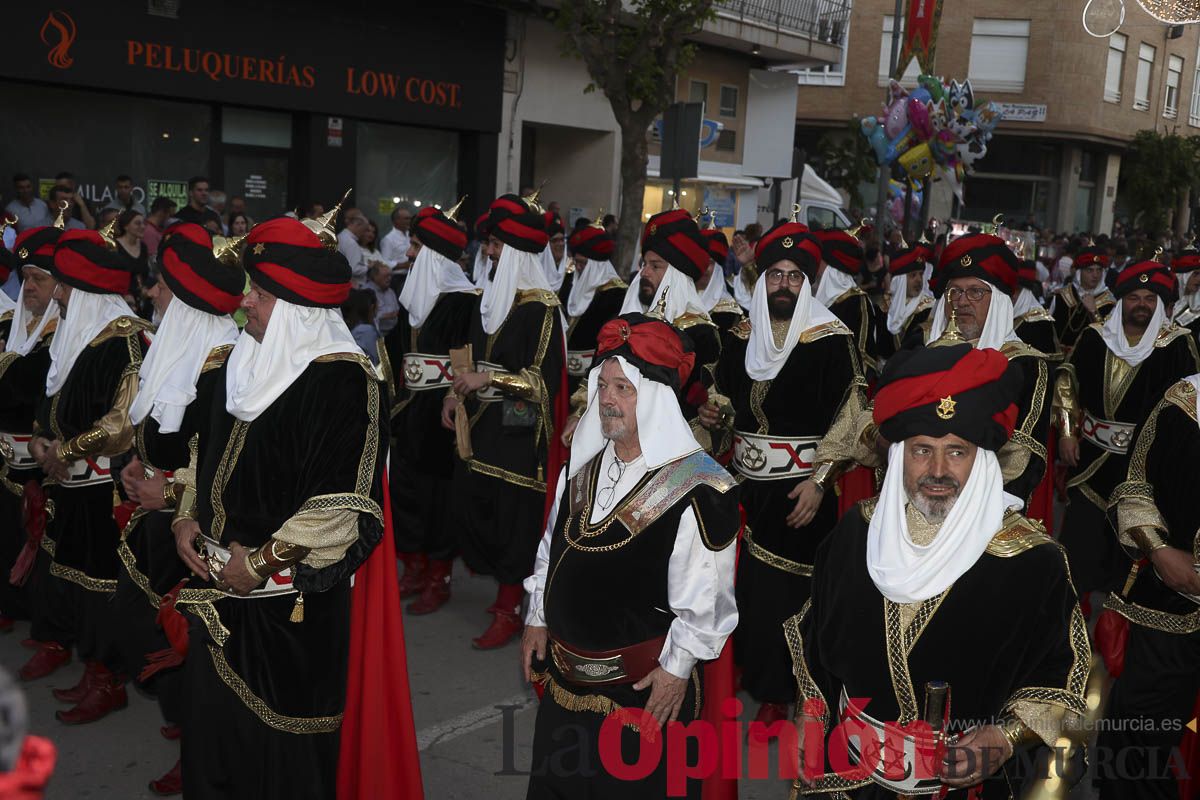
(634, 160)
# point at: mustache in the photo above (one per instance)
(943, 482)
(781, 293)
(612, 413)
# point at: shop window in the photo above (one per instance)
(729, 101)
(999, 49)
(1116, 65)
(1194, 113)
(399, 165)
(259, 128)
(698, 92)
(727, 141)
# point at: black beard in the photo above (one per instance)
(1140, 318)
(782, 304)
(646, 292)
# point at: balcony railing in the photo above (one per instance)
(823, 20)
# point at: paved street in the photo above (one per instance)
(455, 689)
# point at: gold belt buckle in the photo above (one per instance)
(587, 670)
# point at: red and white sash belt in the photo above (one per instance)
(14, 447)
(489, 394)
(894, 769)
(1115, 437)
(579, 362)
(772, 458)
(423, 371)
(88, 471)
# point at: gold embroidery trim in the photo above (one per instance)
(229, 459)
(345, 501)
(1151, 618)
(770, 559)
(11, 486)
(506, 475)
(130, 563)
(366, 464)
(598, 703)
(758, 395)
(272, 718)
(79, 578)
(805, 685)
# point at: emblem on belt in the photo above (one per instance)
(752, 457)
(6, 450)
(1121, 439)
(412, 372)
(574, 364)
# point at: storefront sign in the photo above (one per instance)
(255, 187)
(333, 131)
(722, 203)
(175, 190)
(1023, 112)
(441, 67)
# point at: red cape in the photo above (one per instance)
(378, 755)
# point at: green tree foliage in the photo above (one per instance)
(846, 161)
(633, 49)
(1157, 169)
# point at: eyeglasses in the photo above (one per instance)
(973, 293)
(794, 277)
(616, 470)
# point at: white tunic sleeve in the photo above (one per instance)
(700, 593)
(535, 584)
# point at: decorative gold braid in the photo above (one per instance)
(345, 501)
(1031, 444)
(599, 704)
(1092, 495)
(758, 395)
(129, 561)
(506, 475)
(807, 687)
(920, 620)
(1055, 697)
(1118, 377)
(1081, 651)
(103, 585)
(704, 531)
(770, 559)
(54, 427)
(48, 544)
(11, 486)
(898, 662)
(1037, 404)
(7, 359)
(366, 464)
(269, 716)
(207, 613)
(233, 451)
(1150, 618)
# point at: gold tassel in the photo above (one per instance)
(541, 474)
(298, 610)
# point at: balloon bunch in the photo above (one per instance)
(937, 128)
(895, 204)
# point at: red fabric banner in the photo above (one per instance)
(378, 756)
(921, 20)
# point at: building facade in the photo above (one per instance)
(1074, 101)
(284, 103)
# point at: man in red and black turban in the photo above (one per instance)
(1113, 377)
(595, 297)
(1083, 301)
(516, 401)
(632, 588)
(83, 423)
(837, 289)
(896, 581)
(288, 504)
(785, 373)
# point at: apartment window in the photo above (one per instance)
(1116, 66)
(698, 92)
(1141, 87)
(727, 141)
(729, 100)
(1194, 113)
(999, 49)
(1174, 75)
(885, 56)
(832, 31)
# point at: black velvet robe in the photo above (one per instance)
(82, 536)
(704, 339)
(993, 645)
(888, 343)
(1071, 317)
(423, 453)
(627, 617)
(862, 318)
(150, 566)
(501, 491)
(22, 387)
(252, 675)
(1036, 329)
(775, 564)
(583, 330)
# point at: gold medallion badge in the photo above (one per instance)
(945, 409)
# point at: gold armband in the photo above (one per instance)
(168, 495)
(1067, 413)
(274, 556)
(522, 384)
(1017, 733)
(825, 475)
(1147, 539)
(85, 444)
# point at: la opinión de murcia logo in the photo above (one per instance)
(59, 22)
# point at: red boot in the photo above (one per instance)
(49, 657)
(171, 732)
(416, 572)
(506, 620)
(106, 696)
(169, 784)
(437, 589)
(79, 690)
